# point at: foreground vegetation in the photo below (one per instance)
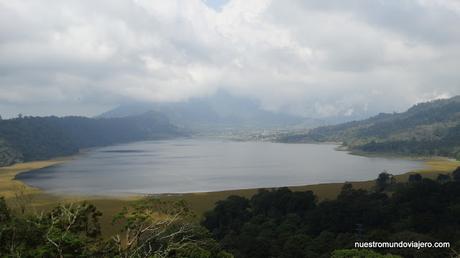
(199, 202)
(272, 223)
(149, 228)
(283, 223)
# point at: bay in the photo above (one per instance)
(202, 165)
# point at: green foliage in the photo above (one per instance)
(38, 138)
(456, 174)
(383, 181)
(431, 128)
(67, 231)
(264, 226)
(273, 223)
(281, 223)
(443, 178)
(155, 228)
(415, 178)
(4, 211)
(151, 228)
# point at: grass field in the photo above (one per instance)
(39, 201)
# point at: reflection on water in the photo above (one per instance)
(193, 165)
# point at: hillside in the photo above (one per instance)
(431, 128)
(219, 111)
(39, 138)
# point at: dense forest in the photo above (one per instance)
(38, 138)
(148, 228)
(273, 223)
(282, 223)
(431, 128)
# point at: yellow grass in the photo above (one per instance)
(41, 201)
(9, 186)
(199, 202)
(434, 167)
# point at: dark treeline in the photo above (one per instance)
(38, 138)
(282, 223)
(448, 145)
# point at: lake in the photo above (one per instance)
(197, 165)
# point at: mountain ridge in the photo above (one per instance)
(218, 111)
(40, 138)
(429, 128)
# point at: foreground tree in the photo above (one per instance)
(415, 178)
(71, 228)
(443, 178)
(66, 231)
(155, 228)
(383, 181)
(151, 228)
(282, 223)
(456, 174)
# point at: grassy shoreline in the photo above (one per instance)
(199, 202)
(9, 185)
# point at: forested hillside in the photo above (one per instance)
(431, 128)
(38, 138)
(282, 223)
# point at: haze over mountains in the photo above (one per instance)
(218, 111)
(431, 128)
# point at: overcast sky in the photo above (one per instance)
(314, 58)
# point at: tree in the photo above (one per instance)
(229, 214)
(70, 227)
(425, 211)
(443, 178)
(383, 181)
(347, 189)
(22, 198)
(155, 228)
(66, 231)
(151, 228)
(4, 211)
(456, 174)
(415, 178)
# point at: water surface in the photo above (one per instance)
(196, 165)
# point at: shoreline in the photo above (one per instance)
(8, 182)
(10, 185)
(201, 202)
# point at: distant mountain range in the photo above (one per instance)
(39, 138)
(431, 128)
(216, 112)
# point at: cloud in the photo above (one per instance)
(314, 58)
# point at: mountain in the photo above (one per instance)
(431, 128)
(39, 138)
(216, 112)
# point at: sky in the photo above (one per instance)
(312, 58)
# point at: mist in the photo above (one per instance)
(305, 58)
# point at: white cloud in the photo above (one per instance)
(314, 58)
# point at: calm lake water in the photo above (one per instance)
(195, 165)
